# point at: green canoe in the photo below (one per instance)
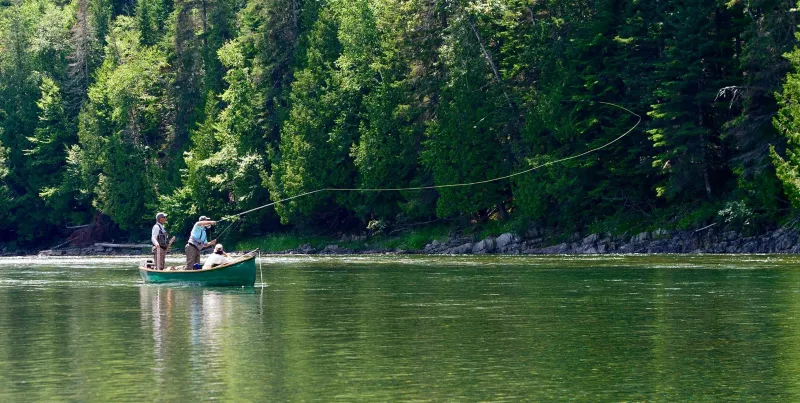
(240, 272)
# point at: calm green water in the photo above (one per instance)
(403, 329)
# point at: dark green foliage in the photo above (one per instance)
(686, 121)
(6, 198)
(466, 140)
(219, 106)
(316, 137)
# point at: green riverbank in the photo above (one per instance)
(436, 240)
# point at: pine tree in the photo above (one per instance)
(85, 52)
(787, 122)
(390, 130)
(7, 220)
(127, 128)
(465, 141)
(47, 154)
(314, 147)
(768, 28)
(686, 126)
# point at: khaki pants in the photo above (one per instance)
(159, 255)
(192, 256)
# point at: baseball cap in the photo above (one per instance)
(218, 247)
(159, 215)
(204, 218)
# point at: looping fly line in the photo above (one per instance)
(453, 185)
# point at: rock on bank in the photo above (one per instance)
(658, 241)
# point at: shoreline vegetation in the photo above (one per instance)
(437, 241)
(625, 117)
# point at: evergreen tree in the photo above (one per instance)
(219, 106)
(84, 56)
(787, 122)
(7, 220)
(686, 122)
(47, 155)
(314, 145)
(390, 130)
(466, 141)
(35, 35)
(768, 28)
(130, 126)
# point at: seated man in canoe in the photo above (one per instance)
(198, 241)
(217, 258)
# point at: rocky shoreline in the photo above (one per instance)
(658, 241)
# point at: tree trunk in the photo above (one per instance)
(501, 208)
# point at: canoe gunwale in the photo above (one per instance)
(222, 266)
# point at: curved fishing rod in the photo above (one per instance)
(452, 185)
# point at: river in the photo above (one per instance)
(603, 328)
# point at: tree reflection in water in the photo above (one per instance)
(186, 325)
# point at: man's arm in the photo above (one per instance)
(154, 235)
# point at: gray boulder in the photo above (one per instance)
(659, 233)
(509, 243)
(433, 247)
(591, 239)
(460, 250)
(506, 239)
(486, 246)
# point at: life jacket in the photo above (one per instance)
(163, 236)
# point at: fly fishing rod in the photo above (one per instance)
(234, 218)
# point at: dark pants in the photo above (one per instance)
(159, 255)
(192, 256)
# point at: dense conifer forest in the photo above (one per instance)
(111, 110)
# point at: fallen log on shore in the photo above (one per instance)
(124, 245)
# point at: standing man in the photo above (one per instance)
(158, 237)
(198, 241)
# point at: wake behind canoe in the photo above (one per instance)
(239, 272)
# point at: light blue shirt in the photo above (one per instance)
(199, 233)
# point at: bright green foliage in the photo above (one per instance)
(33, 39)
(151, 17)
(787, 122)
(124, 128)
(315, 140)
(48, 156)
(220, 106)
(390, 131)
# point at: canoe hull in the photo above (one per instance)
(240, 272)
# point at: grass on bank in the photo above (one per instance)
(730, 215)
(414, 239)
(279, 242)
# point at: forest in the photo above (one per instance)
(112, 110)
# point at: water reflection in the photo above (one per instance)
(187, 327)
(358, 330)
